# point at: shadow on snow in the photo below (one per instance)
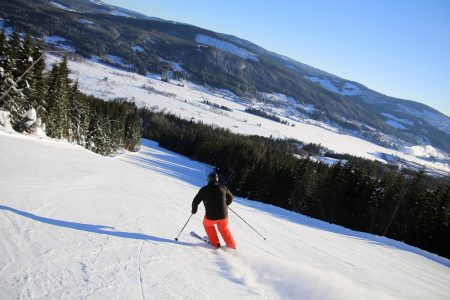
(99, 229)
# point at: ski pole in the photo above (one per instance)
(246, 223)
(176, 239)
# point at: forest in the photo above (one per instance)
(49, 103)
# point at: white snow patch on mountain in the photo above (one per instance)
(441, 122)
(85, 21)
(118, 61)
(112, 59)
(78, 225)
(59, 42)
(282, 105)
(61, 6)
(54, 39)
(98, 2)
(175, 66)
(395, 124)
(137, 49)
(118, 13)
(348, 89)
(226, 46)
(394, 118)
(185, 99)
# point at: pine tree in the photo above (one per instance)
(25, 83)
(132, 129)
(37, 97)
(78, 116)
(14, 100)
(57, 101)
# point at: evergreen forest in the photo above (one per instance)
(37, 101)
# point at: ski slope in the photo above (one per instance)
(76, 225)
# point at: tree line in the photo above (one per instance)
(406, 206)
(49, 102)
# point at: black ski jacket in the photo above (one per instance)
(216, 199)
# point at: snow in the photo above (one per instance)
(112, 59)
(175, 66)
(54, 39)
(425, 151)
(441, 122)
(118, 61)
(78, 225)
(348, 89)
(226, 46)
(59, 42)
(284, 105)
(398, 120)
(98, 2)
(85, 21)
(395, 124)
(61, 6)
(185, 99)
(31, 116)
(137, 49)
(5, 124)
(118, 13)
(328, 160)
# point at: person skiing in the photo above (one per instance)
(216, 199)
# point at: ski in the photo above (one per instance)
(194, 234)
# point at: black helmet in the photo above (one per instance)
(213, 177)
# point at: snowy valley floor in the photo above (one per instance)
(76, 225)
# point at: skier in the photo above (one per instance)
(216, 199)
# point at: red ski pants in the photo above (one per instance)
(211, 232)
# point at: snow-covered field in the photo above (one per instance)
(186, 100)
(76, 225)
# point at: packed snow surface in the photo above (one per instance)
(226, 46)
(78, 225)
(186, 100)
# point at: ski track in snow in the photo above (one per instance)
(78, 225)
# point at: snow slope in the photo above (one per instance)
(186, 100)
(226, 46)
(78, 225)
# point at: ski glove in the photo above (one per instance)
(194, 211)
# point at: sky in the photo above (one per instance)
(399, 48)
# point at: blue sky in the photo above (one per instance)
(400, 48)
